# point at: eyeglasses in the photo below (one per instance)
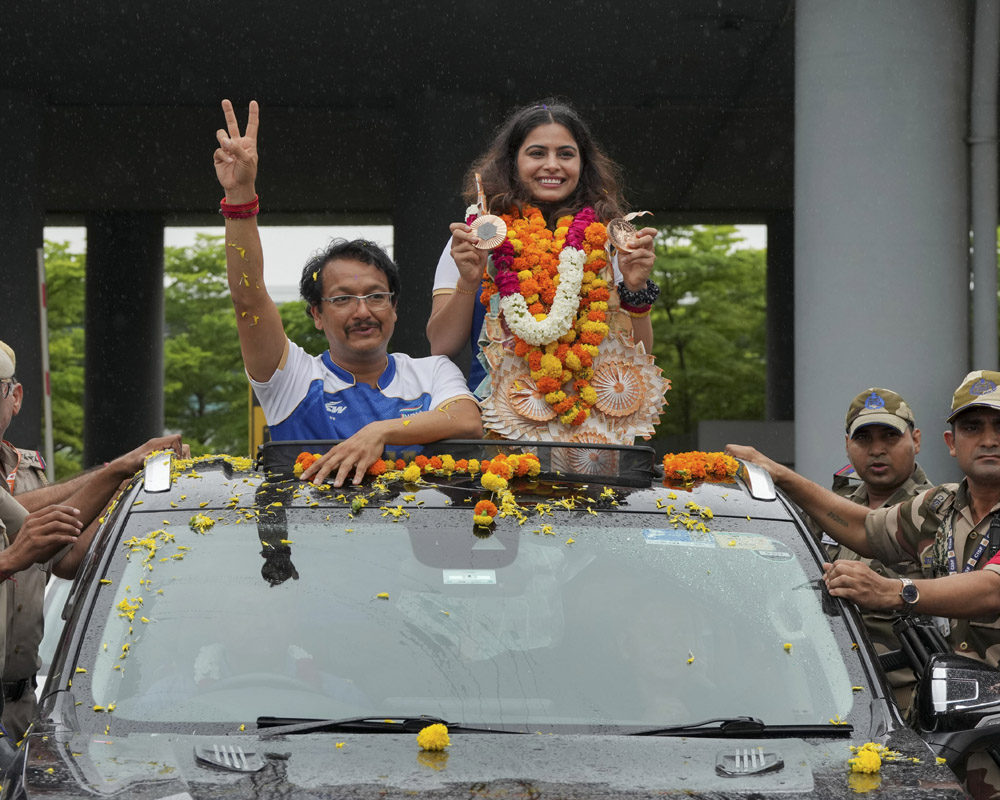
(6, 387)
(377, 301)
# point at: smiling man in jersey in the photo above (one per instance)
(355, 391)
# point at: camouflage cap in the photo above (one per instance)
(876, 406)
(980, 388)
(7, 361)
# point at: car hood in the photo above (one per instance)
(476, 765)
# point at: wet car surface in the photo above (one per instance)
(241, 634)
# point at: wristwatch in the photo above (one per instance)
(910, 595)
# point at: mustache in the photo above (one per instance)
(373, 323)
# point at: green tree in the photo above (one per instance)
(65, 273)
(709, 326)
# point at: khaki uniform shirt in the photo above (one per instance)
(914, 532)
(27, 597)
(12, 515)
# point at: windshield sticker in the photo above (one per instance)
(678, 536)
(743, 541)
(481, 577)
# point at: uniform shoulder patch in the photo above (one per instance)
(32, 458)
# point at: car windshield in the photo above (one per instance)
(595, 622)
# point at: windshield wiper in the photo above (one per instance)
(746, 728)
(280, 726)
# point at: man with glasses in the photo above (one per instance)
(356, 391)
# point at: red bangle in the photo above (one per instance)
(240, 210)
(636, 311)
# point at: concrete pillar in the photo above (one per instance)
(22, 220)
(123, 367)
(881, 233)
(780, 397)
(439, 135)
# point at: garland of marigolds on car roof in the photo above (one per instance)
(698, 466)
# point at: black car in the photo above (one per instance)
(237, 633)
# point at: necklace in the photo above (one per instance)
(554, 302)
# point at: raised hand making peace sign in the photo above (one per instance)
(236, 156)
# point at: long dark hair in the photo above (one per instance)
(600, 183)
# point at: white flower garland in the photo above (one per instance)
(564, 306)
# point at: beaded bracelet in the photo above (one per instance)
(638, 301)
(464, 291)
(240, 210)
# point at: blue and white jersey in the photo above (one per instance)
(313, 398)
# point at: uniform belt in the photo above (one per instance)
(14, 690)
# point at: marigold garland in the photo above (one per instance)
(496, 474)
(554, 302)
(698, 466)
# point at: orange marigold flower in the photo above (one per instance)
(306, 460)
(536, 308)
(564, 406)
(435, 462)
(522, 348)
(485, 508)
(535, 360)
(596, 316)
(598, 295)
(421, 461)
(596, 234)
(400, 464)
(461, 465)
(591, 338)
(546, 385)
(378, 468)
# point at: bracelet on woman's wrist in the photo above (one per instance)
(465, 291)
(641, 300)
(240, 210)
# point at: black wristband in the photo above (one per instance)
(644, 297)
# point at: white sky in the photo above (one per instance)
(287, 248)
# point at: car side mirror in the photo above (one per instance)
(958, 693)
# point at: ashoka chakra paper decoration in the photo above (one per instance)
(528, 401)
(619, 388)
(586, 461)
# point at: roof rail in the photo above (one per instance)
(621, 465)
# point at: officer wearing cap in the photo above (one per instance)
(951, 531)
(882, 442)
(23, 472)
(24, 467)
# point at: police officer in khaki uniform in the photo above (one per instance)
(951, 531)
(26, 540)
(89, 492)
(882, 442)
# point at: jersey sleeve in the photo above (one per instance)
(446, 274)
(448, 383)
(281, 395)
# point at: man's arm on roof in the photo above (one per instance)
(838, 516)
(457, 418)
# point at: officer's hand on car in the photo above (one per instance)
(42, 534)
(855, 580)
(128, 464)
